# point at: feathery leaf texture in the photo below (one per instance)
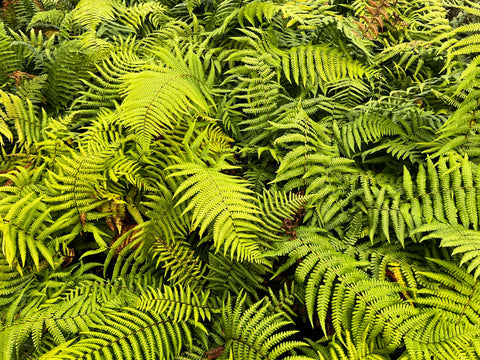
(232, 179)
(225, 201)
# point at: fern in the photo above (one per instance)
(225, 201)
(462, 339)
(8, 58)
(462, 241)
(345, 350)
(145, 334)
(168, 92)
(181, 262)
(240, 325)
(228, 275)
(231, 179)
(69, 310)
(278, 209)
(22, 114)
(338, 282)
(168, 299)
(66, 65)
(26, 229)
(90, 14)
(446, 195)
(317, 65)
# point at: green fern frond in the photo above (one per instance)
(258, 10)
(336, 282)
(10, 113)
(262, 95)
(181, 264)
(8, 58)
(225, 201)
(167, 221)
(76, 188)
(366, 128)
(310, 153)
(346, 350)
(446, 193)
(14, 287)
(278, 209)
(450, 320)
(252, 333)
(47, 19)
(239, 179)
(32, 89)
(317, 65)
(27, 225)
(226, 274)
(173, 29)
(16, 15)
(130, 334)
(90, 14)
(141, 15)
(70, 308)
(67, 65)
(462, 241)
(178, 303)
(22, 115)
(103, 89)
(156, 99)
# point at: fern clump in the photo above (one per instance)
(228, 179)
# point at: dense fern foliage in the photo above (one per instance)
(240, 179)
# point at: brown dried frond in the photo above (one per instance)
(215, 353)
(127, 240)
(18, 76)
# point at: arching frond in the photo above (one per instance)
(156, 99)
(222, 203)
(239, 324)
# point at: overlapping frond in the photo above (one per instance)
(335, 282)
(156, 99)
(223, 204)
(239, 179)
(268, 330)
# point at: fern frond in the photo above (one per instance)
(252, 333)
(103, 89)
(156, 99)
(76, 188)
(446, 194)
(346, 350)
(228, 275)
(278, 209)
(462, 241)
(67, 65)
(70, 308)
(337, 282)
(141, 15)
(90, 14)
(317, 65)
(47, 19)
(181, 264)
(13, 289)
(450, 321)
(8, 59)
(22, 114)
(129, 334)
(178, 303)
(225, 201)
(27, 225)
